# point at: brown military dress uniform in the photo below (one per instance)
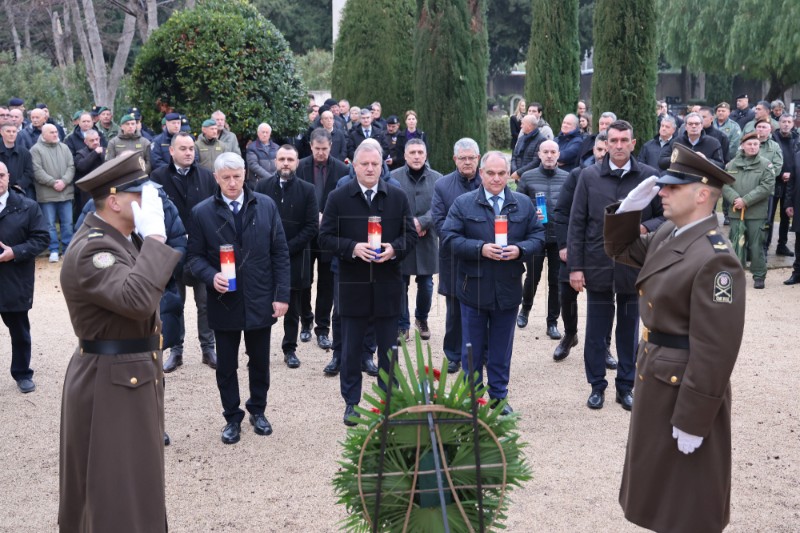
(691, 287)
(112, 418)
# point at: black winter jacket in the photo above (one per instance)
(185, 192)
(550, 182)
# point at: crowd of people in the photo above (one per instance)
(353, 204)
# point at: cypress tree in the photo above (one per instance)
(553, 71)
(451, 62)
(372, 55)
(625, 63)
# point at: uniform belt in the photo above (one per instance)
(678, 342)
(104, 347)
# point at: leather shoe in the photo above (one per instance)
(507, 410)
(453, 367)
(305, 334)
(522, 318)
(174, 360)
(793, 280)
(403, 334)
(324, 342)
(553, 333)
(369, 367)
(231, 433)
(210, 359)
(596, 400)
(332, 368)
(26, 385)
(726, 221)
(784, 250)
(611, 363)
(626, 399)
(167, 441)
(564, 347)
(260, 424)
(291, 360)
(758, 284)
(349, 414)
(424, 330)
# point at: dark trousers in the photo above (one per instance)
(256, 342)
(783, 226)
(204, 333)
(569, 307)
(599, 317)
(495, 330)
(368, 346)
(19, 329)
(353, 331)
(534, 267)
(424, 301)
(452, 343)
(324, 303)
(291, 320)
(796, 264)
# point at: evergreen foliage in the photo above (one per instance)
(451, 61)
(372, 55)
(553, 71)
(625, 63)
(221, 55)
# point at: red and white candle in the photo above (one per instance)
(501, 230)
(227, 262)
(374, 234)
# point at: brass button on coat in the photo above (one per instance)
(673, 379)
(134, 381)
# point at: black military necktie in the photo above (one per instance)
(368, 193)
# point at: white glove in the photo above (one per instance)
(639, 197)
(149, 218)
(686, 443)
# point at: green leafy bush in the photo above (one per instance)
(499, 132)
(315, 69)
(221, 55)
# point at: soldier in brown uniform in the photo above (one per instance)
(112, 413)
(677, 473)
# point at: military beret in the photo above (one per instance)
(686, 166)
(759, 121)
(723, 105)
(172, 116)
(77, 114)
(392, 120)
(16, 101)
(125, 173)
(749, 135)
(41, 106)
(126, 118)
(209, 122)
(97, 109)
(330, 102)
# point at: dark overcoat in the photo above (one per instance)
(689, 285)
(24, 230)
(423, 259)
(367, 288)
(112, 410)
(297, 207)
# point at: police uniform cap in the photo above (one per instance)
(126, 118)
(209, 122)
(125, 173)
(135, 112)
(689, 167)
(16, 101)
(749, 135)
(742, 96)
(392, 120)
(172, 116)
(97, 109)
(724, 105)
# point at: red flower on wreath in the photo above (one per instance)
(436, 373)
(376, 410)
(481, 401)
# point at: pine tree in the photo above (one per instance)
(372, 55)
(553, 72)
(625, 63)
(451, 61)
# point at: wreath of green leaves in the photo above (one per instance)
(408, 464)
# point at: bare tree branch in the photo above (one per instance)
(13, 25)
(121, 58)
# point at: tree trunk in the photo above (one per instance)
(69, 52)
(189, 4)
(152, 18)
(83, 42)
(776, 87)
(26, 28)
(13, 25)
(121, 58)
(58, 39)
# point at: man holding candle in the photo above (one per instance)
(250, 222)
(489, 275)
(369, 288)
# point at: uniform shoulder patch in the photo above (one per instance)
(103, 260)
(95, 234)
(723, 288)
(718, 242)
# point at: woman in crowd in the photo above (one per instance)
(515, 122)
(585, 122)
(411, 128)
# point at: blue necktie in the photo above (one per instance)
(496, 204)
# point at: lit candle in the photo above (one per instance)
(227, 263)
(374, 233)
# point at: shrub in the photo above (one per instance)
(499, 132)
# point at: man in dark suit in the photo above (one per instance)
(367, 130)
(323, 172)
(251, 301)
(492, 288)
(370, 279)
(338, 135)
(187, 184)
(297, 206)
